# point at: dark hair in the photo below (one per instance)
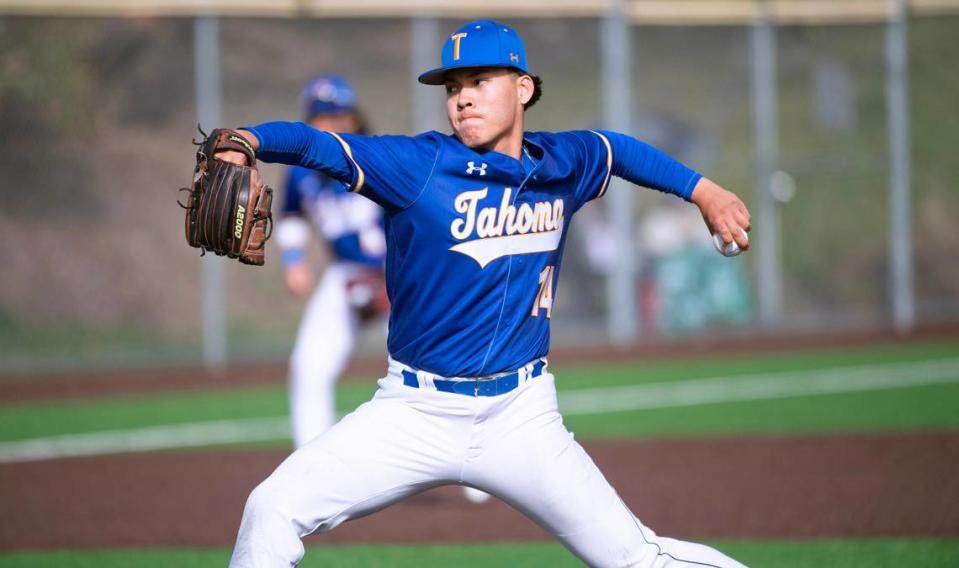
(537, 92)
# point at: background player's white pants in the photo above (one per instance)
(406, 440)
(323, 345)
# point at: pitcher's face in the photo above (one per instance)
(485, 104)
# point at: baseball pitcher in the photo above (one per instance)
(475, 222)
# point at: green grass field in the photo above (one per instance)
(865, 389)
(891, 553)
(906, 407)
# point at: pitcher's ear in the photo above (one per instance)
(537, 90)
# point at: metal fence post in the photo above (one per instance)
(425, 101)
(766, 133)
(206, 59)
(622, 313)
(900, 210)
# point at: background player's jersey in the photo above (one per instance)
(352, 225)
(474, 238)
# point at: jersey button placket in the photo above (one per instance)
(519, 260)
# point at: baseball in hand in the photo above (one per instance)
(732, 249)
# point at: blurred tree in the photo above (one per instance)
(46, 113)
(144, 69)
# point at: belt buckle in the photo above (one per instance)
(478, 383)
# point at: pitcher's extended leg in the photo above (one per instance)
(384, 451)
(553, 481)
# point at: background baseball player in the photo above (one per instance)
(475, 225)
(350, 291)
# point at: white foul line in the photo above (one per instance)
(189, 435)
(578, 402)
(758, 387)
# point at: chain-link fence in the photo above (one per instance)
(96, 117)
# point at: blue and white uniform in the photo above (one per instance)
(352, 228)
(474, 248)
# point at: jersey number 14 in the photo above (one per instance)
(544, 298)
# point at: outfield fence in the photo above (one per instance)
(834, 120)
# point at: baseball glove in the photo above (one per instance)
(228, 207)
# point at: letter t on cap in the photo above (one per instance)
(456, 44)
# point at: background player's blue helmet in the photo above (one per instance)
(328, 94)
(482, 43)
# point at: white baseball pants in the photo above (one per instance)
(406, 440)
(321, 352)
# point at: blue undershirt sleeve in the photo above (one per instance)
(298, 144)
(392, 171)
(641, 164)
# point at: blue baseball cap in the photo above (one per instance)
(482, 43)
(328, 94)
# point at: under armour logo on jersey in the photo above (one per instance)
(472, 167)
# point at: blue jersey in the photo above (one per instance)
(352, 226)
(474, 238)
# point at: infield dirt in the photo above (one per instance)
(801, 487)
